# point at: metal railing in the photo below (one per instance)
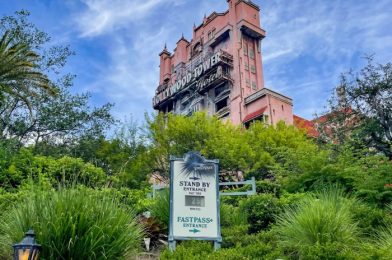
(239, 193)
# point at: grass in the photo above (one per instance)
(160, 208)
(318, 223)
(72, 224)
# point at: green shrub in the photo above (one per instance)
(266, 186)
(369, 218)
(233, 235)
(190, 250)
(320, 226)
(231, 216)
(255, 246)
(135, 199)
(72, 224)
(7, 200)
(66, 170)
(231, 200)
(160, 208)
(260, 211)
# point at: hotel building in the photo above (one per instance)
(220, 71)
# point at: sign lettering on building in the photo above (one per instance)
(194, 199)
(190, 77)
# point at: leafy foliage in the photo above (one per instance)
(28, 112)
(19, 76)
(258, 246)
(66, 170)
(321, 225)
(361, 112)
(72, 224)
(255, 151)
(160, 208)
(232, 216)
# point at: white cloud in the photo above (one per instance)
(103, 16)
(309, 42)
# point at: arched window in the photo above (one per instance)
(197, 48)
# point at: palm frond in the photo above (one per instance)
(19, 71)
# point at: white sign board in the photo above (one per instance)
(194, 199)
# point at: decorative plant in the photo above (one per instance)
(319, 225)
(72, 224)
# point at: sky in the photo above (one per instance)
(309, 44)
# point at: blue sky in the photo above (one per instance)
(117, 42)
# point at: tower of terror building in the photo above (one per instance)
(220, 71)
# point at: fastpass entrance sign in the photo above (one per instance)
(194, 199)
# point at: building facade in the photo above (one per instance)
(220, 71)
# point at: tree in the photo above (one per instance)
(19, 76)
(176, 135)
(259, 151)
(53, 120)
(124, 156)
(362, 111)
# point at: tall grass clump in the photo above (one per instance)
(72, 224)
(319, 227)
(384, 243)
(160, 208)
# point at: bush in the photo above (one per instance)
(319, 227)
(231, 216)
(231, 236)
(66, 170)
(189, 250)
(260, 211)
(256, 246)
(135, 199)
(266, 186)
(369, 218)
(72, 224)
(7, 199)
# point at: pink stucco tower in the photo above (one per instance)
(220, 71)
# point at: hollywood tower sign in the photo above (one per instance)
(220, 71)
(194, 200)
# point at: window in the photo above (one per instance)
(251, 53)
(253, 68)
(254, 86)
(261, 118)
(172, 69)
(245, 49)
(170, 107)
(209, 36)
(221, 89)
(246, 65)
(221, 104)
(282, 108)
(247, 83)
(197, 48)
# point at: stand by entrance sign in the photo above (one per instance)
(194, 200)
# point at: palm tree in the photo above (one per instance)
(19, 74)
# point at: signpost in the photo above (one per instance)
(194, 200)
